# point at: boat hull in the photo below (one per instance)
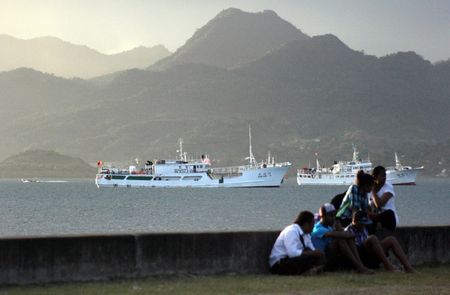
(258, 177)
(402, 177)
(396, 177)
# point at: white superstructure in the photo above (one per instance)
(194, 173)
(341, 173)
(400, 174)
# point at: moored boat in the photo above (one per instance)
(344, 172)
(341, 173)
(402, 175)
(27, 180)
(183, 172)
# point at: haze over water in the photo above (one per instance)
(79, 207)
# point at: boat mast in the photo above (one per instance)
(251, 157)
(398, 165)
(318, 165)
(183, 156)
(355, 154)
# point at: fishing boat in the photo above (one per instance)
(341, 173)
(184, 172)
(344, 172)
(27, 180)
(402, 175)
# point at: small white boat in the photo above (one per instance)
(182, 172)
(29, 180)
(402, 175)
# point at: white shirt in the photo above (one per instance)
(390, 204)
(288, 243)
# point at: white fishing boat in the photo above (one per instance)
(402, 175)
(183, 172)
(341, 173)
(27, 180)
(344, 172)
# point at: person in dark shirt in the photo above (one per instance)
(373, 251)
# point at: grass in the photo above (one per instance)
(430, 281)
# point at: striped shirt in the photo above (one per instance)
(353, 200)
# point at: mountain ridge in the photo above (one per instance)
(53, 55)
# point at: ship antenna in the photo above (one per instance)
(251, 157)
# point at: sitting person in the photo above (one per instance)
(382, 200)
(338, 245)
(373, 251)
(356, 198)
(293, 252)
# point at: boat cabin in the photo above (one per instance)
(165, 167)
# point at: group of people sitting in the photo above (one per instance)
(345, 235)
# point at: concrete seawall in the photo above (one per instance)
(85, 258)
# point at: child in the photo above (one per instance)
(371, 250)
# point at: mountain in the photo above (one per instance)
(39, 163)
(305, 96)
(52, 55)
(396, 93)
(233, 38)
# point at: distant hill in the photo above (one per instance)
(44, 164)
(233, 38)
(55, 56)
(307, 96)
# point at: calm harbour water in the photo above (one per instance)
(79, 207)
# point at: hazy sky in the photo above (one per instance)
(378, 27)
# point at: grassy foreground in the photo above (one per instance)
(429, 281)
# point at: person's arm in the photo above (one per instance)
(308, 242)
(381, 201)
(339, 235)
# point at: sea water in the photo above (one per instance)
(79, 207)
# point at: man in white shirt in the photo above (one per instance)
(293, 252)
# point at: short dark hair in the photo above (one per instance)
(304, 217)
(378, 170)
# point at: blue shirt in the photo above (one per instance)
(319, 241)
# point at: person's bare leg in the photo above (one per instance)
(392, 243)
(351, 244)
(340, 247)
(373, 245)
